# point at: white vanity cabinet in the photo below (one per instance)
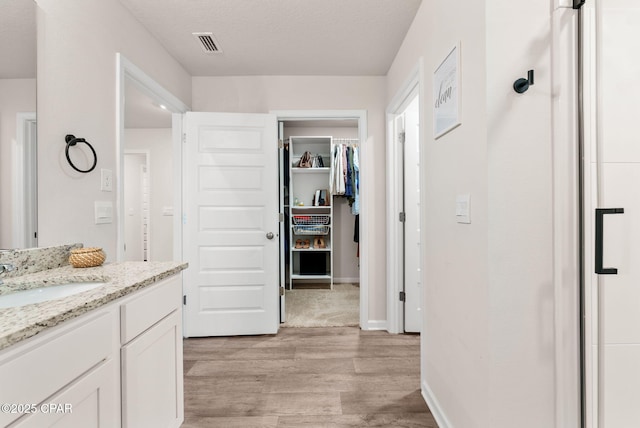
(67, 376)
(89, 401)
(117, 365)
(152, 379)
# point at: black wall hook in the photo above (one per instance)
(71, 140)
(521, 85)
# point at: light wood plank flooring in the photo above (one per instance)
(305, 377)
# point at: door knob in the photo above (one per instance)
(270, 235)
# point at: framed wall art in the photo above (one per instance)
(447, 94)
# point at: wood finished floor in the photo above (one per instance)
(305, 377)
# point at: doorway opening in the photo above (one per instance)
(320, 233)
(232, 232)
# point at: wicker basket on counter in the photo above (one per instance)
(87, 257)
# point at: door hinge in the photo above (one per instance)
(281, 217)
(184, 299)
(184, 138)
(403, 296)
(402, 217)
(281, 291)
(401, 137)
(280, 144)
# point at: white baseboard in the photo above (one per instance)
(355, 280)
(434, 406)
(375, 325)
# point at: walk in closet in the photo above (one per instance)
(320, 187)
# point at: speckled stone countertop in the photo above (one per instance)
(120, 279)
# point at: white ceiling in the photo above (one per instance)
(280, 37)
(17, 39)
(141, 111)
(257, 37)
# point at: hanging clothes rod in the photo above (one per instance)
(348, 141)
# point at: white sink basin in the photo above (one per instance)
(43, 294)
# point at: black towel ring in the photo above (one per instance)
(72, 141)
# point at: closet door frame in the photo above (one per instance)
(361, 117)
(413, 86)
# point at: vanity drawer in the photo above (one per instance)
(55, 359)
(149, 307)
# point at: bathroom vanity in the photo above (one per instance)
(109, 356)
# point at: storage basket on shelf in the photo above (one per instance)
(311, 224)
(87, 257)
(309, 229)
(311, 219)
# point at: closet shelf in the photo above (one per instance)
(299, 276)
(310, 209)
(297, 170)
(310, 249)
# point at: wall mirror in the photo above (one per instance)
(18, 206)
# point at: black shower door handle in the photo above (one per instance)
(600, 212)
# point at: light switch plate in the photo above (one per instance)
(103, 212)
(106, 180)
(463, 208)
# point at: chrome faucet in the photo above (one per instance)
(5, 267)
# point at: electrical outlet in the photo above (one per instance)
(106, 180)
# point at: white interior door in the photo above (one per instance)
(613, 172)
(412, 274)
(230, 230)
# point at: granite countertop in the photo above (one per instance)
(120, 279)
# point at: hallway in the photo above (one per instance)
(305, 377)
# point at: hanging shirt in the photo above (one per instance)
(337, 184)
(348, 182)
(355, 207)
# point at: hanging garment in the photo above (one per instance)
(348, 183)
(355, 207)
(337, 170)
(343, 150)
(286, 162)
(356, 229)
(332, 170)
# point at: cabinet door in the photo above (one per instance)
(90, 401)
(152, 379)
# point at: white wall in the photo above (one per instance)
(16, 96)
(519, 136)
(488, 333)
(455, 333)
(77, 46)
(159, 144)
(261, 94)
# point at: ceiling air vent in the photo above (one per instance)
(207, 42)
